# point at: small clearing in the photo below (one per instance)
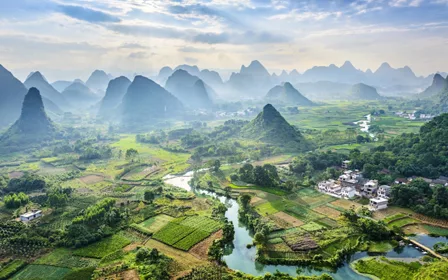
(328, 211)
(290, 220)
(91, 179)
(346, 204)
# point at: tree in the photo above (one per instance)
(149, 196)
(57, 199)
(131, 154)
(246, 173)
(245, 200)
(216, 165)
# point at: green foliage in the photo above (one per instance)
(131, 154)
(14, 200)
(387, 269)
(265, 176)
(63, 257)
(103, 247)
(77, 274)
(41, 272)
(420, 197)
(184, 233)
(26, 183)
(10, 268)
(434, 271)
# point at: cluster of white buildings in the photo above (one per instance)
(351, 184)
(413, 116)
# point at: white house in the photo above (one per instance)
(378, 203)
(29, 216)
(345, 164)
(384, 191)
(330, 186)
(348, 192)
(370, 187)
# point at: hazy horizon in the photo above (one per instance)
(67, 39)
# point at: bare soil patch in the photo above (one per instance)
(15, 174)
(131, 247)
(327, 211)
(415, 229)
(200, 250)
(346, 204)
(255, 200)
(288, 219)
(91, 179)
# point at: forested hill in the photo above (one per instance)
(424, 154)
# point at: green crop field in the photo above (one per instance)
(183, 233)
(104, 247)
(156, 223)
(402, 222)
(312, 226)
(303, 213)
(436, 230)
(191, 240)
(64, 258)
(41, 272)
(7, 271)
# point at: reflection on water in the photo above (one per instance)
(239, 257)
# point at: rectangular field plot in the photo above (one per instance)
(44, 272)
(172, 233)
(328, 211)
(64, 258)
(344, 204)
(103, 247)
(156, 223)
(183, 233)
(285, 220)
(303, 213)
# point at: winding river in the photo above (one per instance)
(243, 259)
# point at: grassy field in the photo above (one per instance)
(380, 247)
(156, 223)
(402, 222)
(104, 247)
(436, 230)
(41, 272)
(268, 190)
(64, 258)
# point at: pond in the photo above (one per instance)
(243, 259)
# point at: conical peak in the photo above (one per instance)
(37, 76)
(268, 108)
(288, 85)
(438, 77)
(348, 64)
(33, 97)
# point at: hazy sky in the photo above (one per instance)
(70, 38)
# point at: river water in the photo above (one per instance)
(243, 259)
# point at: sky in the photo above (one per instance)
(67, 39)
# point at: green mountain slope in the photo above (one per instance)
(363, 92)
(270, 127)
(33, 125)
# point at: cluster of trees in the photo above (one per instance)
(58, 197)
(95, 222)
(152, 138)
(152, 264)
(307, 163)
(193, 139)
(264, 176)
(253, 220)
(230, 128)
(89, 149)
(374, 230)
(15, 200)
(26, 183)
(421, 198)
(422, 154)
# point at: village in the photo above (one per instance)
(352, 184)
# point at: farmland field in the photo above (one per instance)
(345, 204)
(402, 222)
(41, 272)
(64, 258)
(328, 211)
(290, 220)
(104, 247)
(184, 233)
(156, 223)
(302, 213)
(8, 270)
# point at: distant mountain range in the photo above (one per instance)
(145, 100)
(37, 80)
(189, 89)
(255, 79)
(116, 89)
(286, 94)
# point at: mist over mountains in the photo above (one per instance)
(190, 88)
